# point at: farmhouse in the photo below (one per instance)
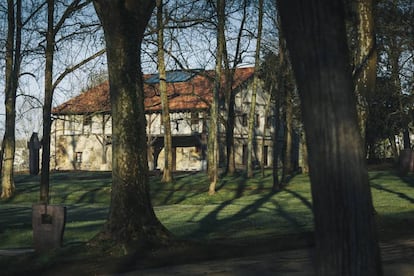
(81, 133)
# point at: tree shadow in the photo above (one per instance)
(240, 179)
(303, 199)
(287, 216)
(408, 179)
(212, 217)
(399, 194)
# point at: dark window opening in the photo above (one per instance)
(87, 120)
(79, 157)
(244, 119)
(257, 120)
(194, 118)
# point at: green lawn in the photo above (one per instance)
(241, 209)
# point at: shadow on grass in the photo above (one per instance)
(408, 179)
(399, 194)
(303, 199)
(212, 220)
(287, 216)
(249, 214)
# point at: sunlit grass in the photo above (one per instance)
(241, 208)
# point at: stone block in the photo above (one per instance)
(48, 222)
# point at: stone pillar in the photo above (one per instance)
(48, 222)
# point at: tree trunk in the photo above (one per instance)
(168, 161)
(213, 150)
(365, 59)
(406, 138)
(285, 92)
(231, 156)
(47, 105)
(265, 126)
(304, 151)
(394, 148)
(230, 95)
(13, 60)
(276, 147)
(287, 169)
(345, 231)
(252, 113)
(131, 220)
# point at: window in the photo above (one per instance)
(78, 157)
(194, 118)
(87, 124)
(244, 119)
(257, 120)
(87, 120)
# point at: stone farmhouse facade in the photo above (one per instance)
(81, 131)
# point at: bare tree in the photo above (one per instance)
(50, 84)
(230, 95)
(252, 114)
(167, 174)
(345, 231)
(13, 62)
(213, 150)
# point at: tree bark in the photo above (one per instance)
(345, 231)
(165, 116)
(365, 59)
(47, 105)
(131, 220)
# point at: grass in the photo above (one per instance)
(241, 210)
(244, 217)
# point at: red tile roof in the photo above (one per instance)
(195, 93)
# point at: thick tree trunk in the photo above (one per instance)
(168, 161)
(345, 231)
(131, 219)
